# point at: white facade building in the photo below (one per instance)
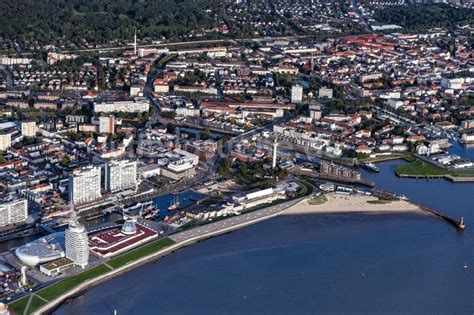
(467, 138)
(297, 93)
(107, 124)
(84, 185)
(120, 175)
(422, 149)
(13, 212)
(187, 157)
(5, 141)
(315, 111)
(188, 111)
(136, 90)
(9, 61)
(77, 243)
(28, 128)
(180, 166)
(137, 105)
(325, 93)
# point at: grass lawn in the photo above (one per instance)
(140, 252)
(317, 200)
(53, 291)
(420, 168)
(35, 304)
(18, 307)
(62, 286)
(306, 188)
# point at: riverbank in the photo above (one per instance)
(337, 203)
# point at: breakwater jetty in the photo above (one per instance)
(458, 224)
(392, 196)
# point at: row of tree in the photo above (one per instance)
(422, 17)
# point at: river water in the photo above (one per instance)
(344, 263)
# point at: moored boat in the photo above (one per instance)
(174, 204)
(371, 167)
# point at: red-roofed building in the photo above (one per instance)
(114, 240)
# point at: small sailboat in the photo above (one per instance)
(461, 224)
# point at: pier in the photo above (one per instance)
(380, 193)
(458, 224)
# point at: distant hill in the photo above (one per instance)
(100, 21)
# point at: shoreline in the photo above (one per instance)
(335, 204)
(57, 302)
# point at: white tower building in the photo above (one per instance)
(297, 93)
(107, 124)
(84, 185)
(275, 152)
(120, 175)
(77, 243)
(28, 128)
(5, 141)
(23, 278)
(135, 43)
(13, 211)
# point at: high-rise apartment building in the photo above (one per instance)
(297, 93)
(5, 141)
(120, 175)
(107, 124)
(15, 211)
(85, 185)
(28, 128)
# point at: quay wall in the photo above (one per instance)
(453, 179)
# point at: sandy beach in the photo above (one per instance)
(337, 203)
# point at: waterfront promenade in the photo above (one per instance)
(182, 239)
(232, 223)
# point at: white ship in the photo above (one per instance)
(174, 204)
(145, 210)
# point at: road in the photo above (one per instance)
(356, 5)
